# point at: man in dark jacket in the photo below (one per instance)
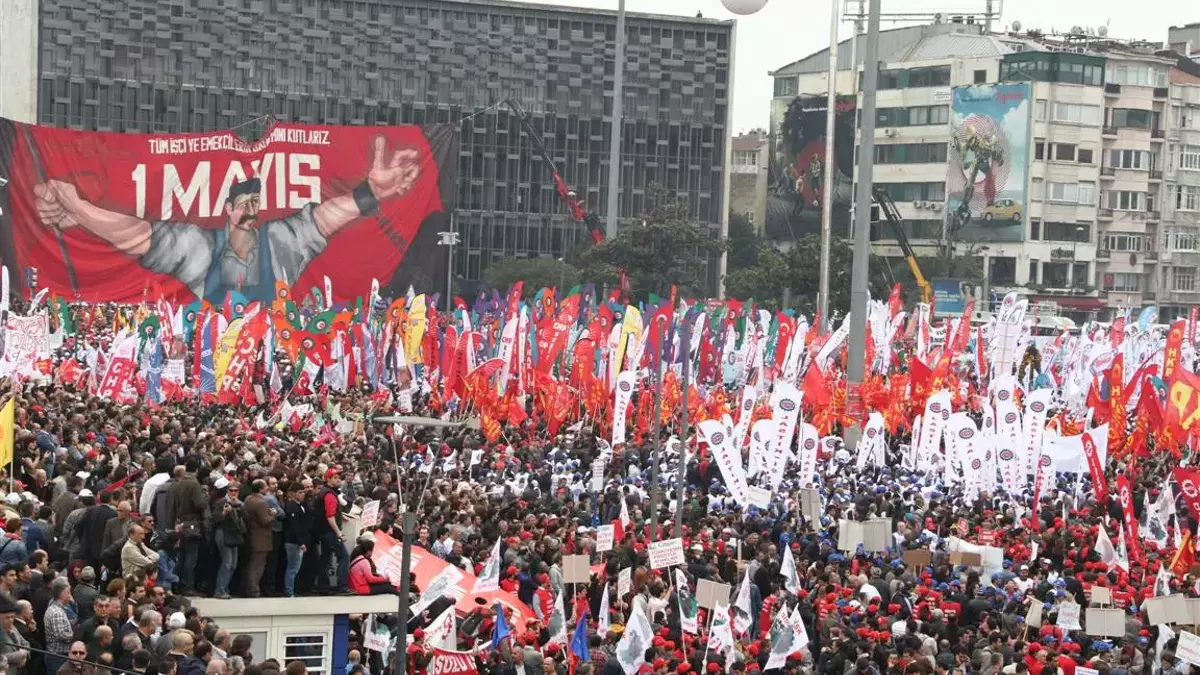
(297, 535)
(188, 664)
(187, 506)
(90, 528)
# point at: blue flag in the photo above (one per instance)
(501, 630)
(579, 640)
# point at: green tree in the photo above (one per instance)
(537, 273)
(666, 249)
(744, 243)
(799, 270)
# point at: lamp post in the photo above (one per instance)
(859, 293)
(614, 142)
(449, 239)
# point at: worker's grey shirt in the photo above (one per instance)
(185, 251)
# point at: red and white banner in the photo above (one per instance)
(446, 662)
(1189, 487)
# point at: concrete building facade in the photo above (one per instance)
(203, 65)
(749, 170)
(1107, 119)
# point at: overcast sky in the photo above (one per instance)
(787, 30)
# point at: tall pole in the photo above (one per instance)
(407, 522)
(685, 346)
(449, 239)
(654, 448)
(829, 171)
(859, 294)
(614, 146)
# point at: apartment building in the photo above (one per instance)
(1093, 220)
(1179, 258)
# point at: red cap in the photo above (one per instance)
(331, 472)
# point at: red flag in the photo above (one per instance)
(1189, 485)
(1183, 401)
(1099, 484)
(1125, 494)
(1171, 353)
(816, 389)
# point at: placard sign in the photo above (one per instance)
(666, 553)
(1188, 649)
(1103, 622)
(709, 594)
(370, 514)
(604, 538)
(576, 569)
(1068, 616)
(1101, 595)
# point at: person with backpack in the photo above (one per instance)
(229, 528)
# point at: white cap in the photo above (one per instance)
(86, 493)
(176, 620)
(12, 499)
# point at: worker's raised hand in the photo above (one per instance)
(395, 174)
(57, 204)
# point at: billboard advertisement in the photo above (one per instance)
(798, 172)
(988, 157)
(950, 296)
(106, 217)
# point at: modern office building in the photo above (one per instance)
(202, 65)
(1104, 223)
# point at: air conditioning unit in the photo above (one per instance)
(917, 205)
(889, 132)
(927, 205)
(937, 206)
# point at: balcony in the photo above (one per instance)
(1103, 254)
(1109, 131)
(1152, 256)
(1153, 216)
(1112, 89)
(1108, 171)
(1160, 92)
(1104, 214)
(1157, 133)
(1155, 174)
(1149, 296)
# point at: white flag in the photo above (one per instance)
(720, 638)
(443, 632)
(741, 607)
(557, 625)
(489, 579)
(631, 650)
(688, 609)
(791, 579)
(602, 621)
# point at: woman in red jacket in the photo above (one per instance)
(363, 579)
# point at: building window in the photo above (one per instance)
(1039, 109)
(1002, 270)
(1126, 200)
(1085, 156)
(1064, 152)
(1129, 159)
(786, 86)
(1182, 241)
(1133, 118)
(915, 192)
(925, 115)
(1080, 275)
(1054, 275)
(1123, 282)
(1077, 232)
(1076, 113)
(1183, 279)
(911, 153)
(1132, 242)
(1137, 76)
(1069, 193)
(936, 76)
(1189, 157)
(1187, 198)
(1033, 272)
(890, 79)
(1039, 149)
(980, 76)
(310, 649)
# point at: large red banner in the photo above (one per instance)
(104, 217)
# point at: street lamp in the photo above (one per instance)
(449, 239)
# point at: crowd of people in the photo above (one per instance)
(116, 515)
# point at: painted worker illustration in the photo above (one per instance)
(245, 254)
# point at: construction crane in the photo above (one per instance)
(576, 206)
(887, 209)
